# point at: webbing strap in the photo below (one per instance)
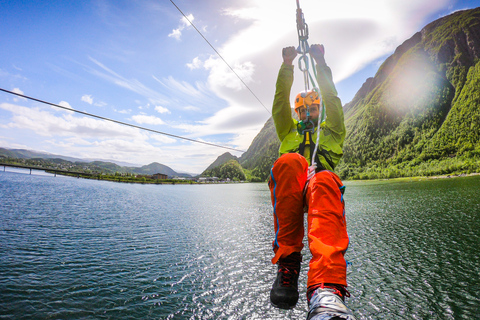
(307, 141)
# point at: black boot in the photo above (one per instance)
(284, 293)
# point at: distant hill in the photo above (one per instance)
(29, 154)
(230, 169)
(153, 168)
(227, 156)
(106, 166)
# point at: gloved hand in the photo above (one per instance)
(311, 172)
(288, 54)
(317, 51)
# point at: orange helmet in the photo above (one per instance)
(304, 99)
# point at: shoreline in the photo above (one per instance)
(418, 178)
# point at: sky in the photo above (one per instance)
(143, 63)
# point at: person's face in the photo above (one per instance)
(314, 113)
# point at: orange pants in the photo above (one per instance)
(327, 230)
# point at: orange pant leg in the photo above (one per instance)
(327, 231)
(287, 180)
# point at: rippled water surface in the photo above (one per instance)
(81, 249)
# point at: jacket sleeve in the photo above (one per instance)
(334, 123)
(281, 110)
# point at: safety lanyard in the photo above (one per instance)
(303, 65)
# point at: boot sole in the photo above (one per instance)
(284, 306)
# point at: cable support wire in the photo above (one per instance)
(303, 49)
(119, 122)
(236, 74)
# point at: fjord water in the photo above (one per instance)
(82, 249)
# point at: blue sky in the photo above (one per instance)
(141, 62)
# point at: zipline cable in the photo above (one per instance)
(191, 23)
(119, 122)
(303, 49)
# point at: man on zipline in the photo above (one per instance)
(297, 186)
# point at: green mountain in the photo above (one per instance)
(227, 156)
(153, 168)
(228, 170)
(419, 115)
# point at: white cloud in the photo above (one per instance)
(221, 75)
(17, 98)
(45, 123)
(17, 90)
(87, 98)
(161, 109)
(144, 119)
(177, 33)
(163, 139)
(354, 33)
(242, 123)
(85, 137)
(65, 104)
(196, 64)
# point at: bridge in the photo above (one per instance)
(48, 170)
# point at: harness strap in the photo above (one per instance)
(307, 141)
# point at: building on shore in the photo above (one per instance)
(159, 176)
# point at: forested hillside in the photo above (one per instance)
(420, 114)
(229, 170)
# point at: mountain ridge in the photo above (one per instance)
(420, 106)
(109, 166)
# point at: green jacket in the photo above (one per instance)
(332, 133)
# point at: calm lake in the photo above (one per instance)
(84, 249)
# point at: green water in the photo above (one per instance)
(415, 248)
(83, 249)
